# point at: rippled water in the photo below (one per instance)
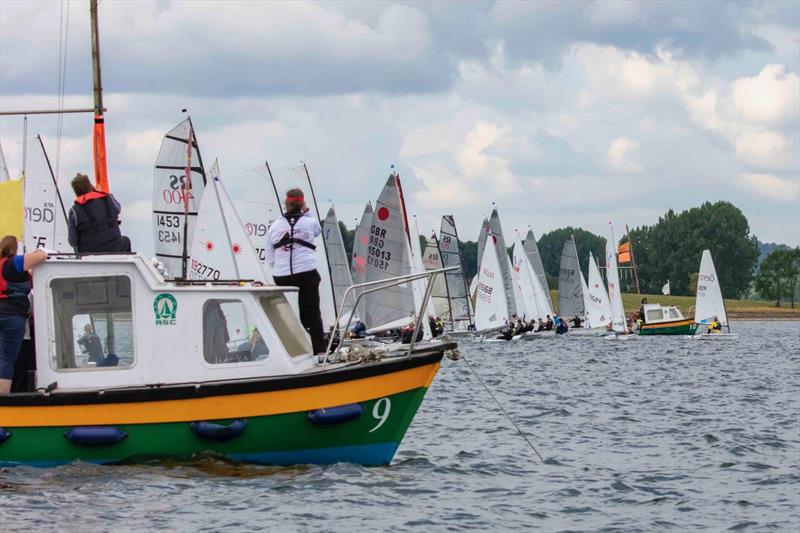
(646, 434)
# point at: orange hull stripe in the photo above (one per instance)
(221, 407)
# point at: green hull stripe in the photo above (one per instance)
(684, 329)
(383, 421)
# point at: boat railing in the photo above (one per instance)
(370, 287)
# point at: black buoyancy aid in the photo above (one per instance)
(13, 289)
(97, 223)
(288, 237)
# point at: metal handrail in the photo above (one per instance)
(379, 285)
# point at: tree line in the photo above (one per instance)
(670, 250)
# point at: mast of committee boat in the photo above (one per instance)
(99, 141)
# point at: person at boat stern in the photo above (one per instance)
(94, 220)
(291, 256)
(15, 285)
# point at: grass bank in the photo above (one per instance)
(736, 308)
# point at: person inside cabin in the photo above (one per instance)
(258, 348)
(15, 285)
(292, 258)
(91, 345)
(641, 309)
(93, 221)
(215, 333)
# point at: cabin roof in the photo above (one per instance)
(71, 264)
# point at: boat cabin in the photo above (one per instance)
(114, 321)
(657, 314)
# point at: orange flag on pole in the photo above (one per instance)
(624, 252)
(100, 168)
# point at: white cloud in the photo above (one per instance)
(773, 187)
(622, 155)
(771, 97)
(764, 149)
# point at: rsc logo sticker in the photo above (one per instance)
(165, 306)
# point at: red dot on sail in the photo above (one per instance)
(365, 239)
(383, 213)
(236, 248)
(209, 246)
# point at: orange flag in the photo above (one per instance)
(100, 169)
(624, 252)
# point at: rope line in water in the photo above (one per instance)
(485, 386)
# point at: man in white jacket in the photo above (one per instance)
(291, 256)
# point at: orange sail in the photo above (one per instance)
(100, 168)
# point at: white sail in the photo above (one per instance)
(45, 222)
(440, 297)
(358, 261)
(528, 305)
(4, 175)
(460, 302)
(388, 255)
(570, 292)
(337, 259)
(505, 262)
(709, 304)
(221, 248)
(614, 291)
(585, 289)
(491, 307)
(171, 188)
(417, 267)
(485, 229)
(259, 210)
(535, 260)
(598, 312)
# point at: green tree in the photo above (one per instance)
(347, 237)
(552, 243)
(777, 276)
(671, 248)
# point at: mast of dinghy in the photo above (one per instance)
(324, 245)
(99, 141)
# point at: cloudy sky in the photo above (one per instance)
(563, 113)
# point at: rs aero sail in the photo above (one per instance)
(709, 304)
(179, 180)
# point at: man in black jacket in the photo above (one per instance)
(94, 220)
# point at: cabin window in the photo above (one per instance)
(655, 314)
(673, 313)
(286, 324)
(93, 323)
(230, 334)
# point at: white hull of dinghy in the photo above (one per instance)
(586, 332)
(620, 337)
(713, 336)
(485, 339)
(531, 335)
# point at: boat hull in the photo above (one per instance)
(275, 424)
(675, 327)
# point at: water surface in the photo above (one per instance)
(649, 434)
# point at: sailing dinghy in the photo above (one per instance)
(535, 260)
(341, 278)
(221, 248)
(618, 322)
(491, 306)
(178, 183)
(709, 304)
(570, 291)
(460, 320)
